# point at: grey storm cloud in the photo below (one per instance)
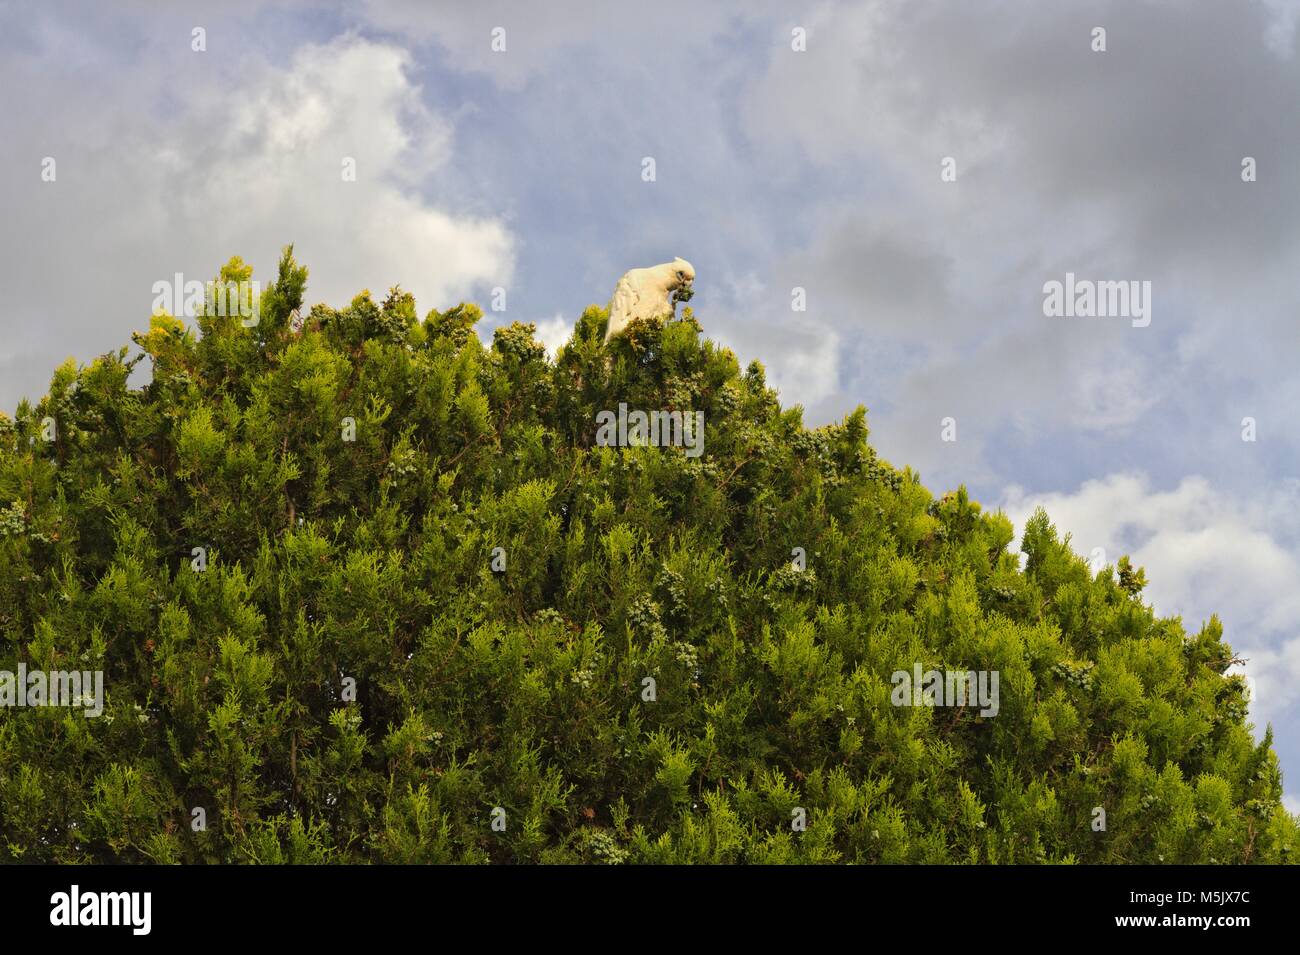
(1123, 164)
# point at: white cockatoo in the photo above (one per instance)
(647, 293)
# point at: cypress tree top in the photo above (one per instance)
(368, 590)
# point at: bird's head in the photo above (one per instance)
(683, 271)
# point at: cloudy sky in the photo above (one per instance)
(775, 168)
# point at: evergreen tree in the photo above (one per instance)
(372, 592)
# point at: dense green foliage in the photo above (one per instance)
(331, 561)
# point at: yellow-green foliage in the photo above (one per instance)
(648, 679)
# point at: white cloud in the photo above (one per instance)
(808, 368)
(554, 332)
(245, 164)
(801, 356)
(353, 99)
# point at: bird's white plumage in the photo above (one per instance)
(646, 293)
